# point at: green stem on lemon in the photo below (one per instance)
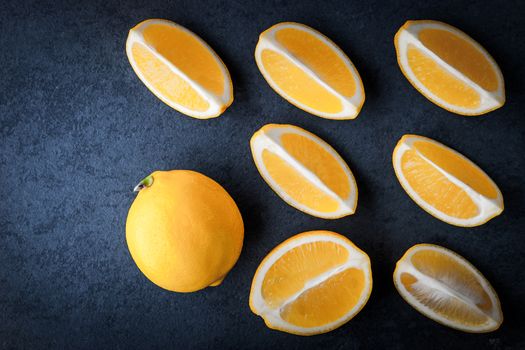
(146, 182)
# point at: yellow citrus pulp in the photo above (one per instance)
(311, 283)
(179, 68)
(446, 288)
(183, 230)
(304, 171)
(310, 71)
(445, 183)
(449, 68)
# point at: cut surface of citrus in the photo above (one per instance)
(309, 71)
(179, 68)
(449, 68)
(445, 183)
(445, 287)
(304, 171)
(311, 283)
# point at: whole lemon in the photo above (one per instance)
(183, 230)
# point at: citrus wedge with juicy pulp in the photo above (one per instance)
(179, 68)
(445, 183)
(445, 287)
(310, 71)
(311, 283)
(449, 68)
(304, 171)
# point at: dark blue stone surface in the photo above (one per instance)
(78, 130)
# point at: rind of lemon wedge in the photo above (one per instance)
(305, 171)
(309, 71)
(179, 68)
(449, 68)
(445, 183)
(445, 287)
(311, 283)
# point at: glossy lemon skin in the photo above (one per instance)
(185, 231)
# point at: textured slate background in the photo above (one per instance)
(78, 130)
